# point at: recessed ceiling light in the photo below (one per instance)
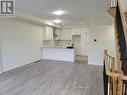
(57, 21)
(59, 12)
(82, 22)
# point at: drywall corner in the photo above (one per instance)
(0, 53)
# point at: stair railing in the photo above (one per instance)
(123, 19)
(114, 81)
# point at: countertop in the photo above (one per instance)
(57, 47)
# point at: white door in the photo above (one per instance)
(77, 44)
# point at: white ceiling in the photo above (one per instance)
(77, 11)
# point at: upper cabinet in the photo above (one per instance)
(48, 33)
(63, 34)
(77, 31)
(56, 34)
(66, 34)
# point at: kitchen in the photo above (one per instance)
(59, 44)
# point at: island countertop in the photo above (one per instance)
(60, 54)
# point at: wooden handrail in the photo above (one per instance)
(112, 73)
(123, 20)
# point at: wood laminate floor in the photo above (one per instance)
(53, 78)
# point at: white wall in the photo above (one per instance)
(105, 40)
(0, 54)
(124, 5)
(20, 43)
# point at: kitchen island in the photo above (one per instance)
(58, 54)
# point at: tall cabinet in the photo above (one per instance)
(48, 36)
(49, 33)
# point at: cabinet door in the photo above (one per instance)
(49, 33)
(66, 34)
(43, 33)
(57, 33)
(76, 31)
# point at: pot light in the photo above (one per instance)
(59, 12)
(82, 22)
(57, 21)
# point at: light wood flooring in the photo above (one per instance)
(53, 78)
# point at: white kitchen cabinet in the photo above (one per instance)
(60, 54)
(57, 34)
(65, 34)
(47, 33)
(76, 31)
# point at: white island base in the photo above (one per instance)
(60, 54)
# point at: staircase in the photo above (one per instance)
(115, 68)
(125, 13)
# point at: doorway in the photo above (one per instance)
(77, 44)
